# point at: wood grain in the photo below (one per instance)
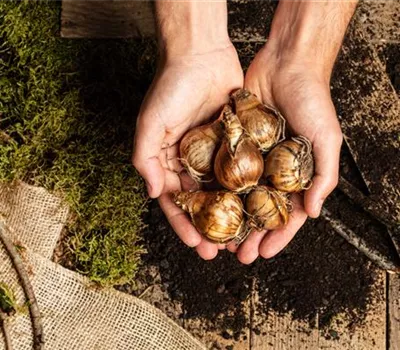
(281, 332)
(107, 19)
(216, 340)
(394, 312)
(369, 336)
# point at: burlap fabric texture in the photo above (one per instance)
(76, 315)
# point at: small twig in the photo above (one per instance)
(367, 204)
(375, 256)
(145, 291)
(372, 207)
(37, 326)
(6, 331)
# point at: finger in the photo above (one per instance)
(248, 250)
(169, 158)
(221, 246)
(188, 184)
(207, 250)
(178, 182)
(149, 138)
(326, 150)
(232, 247)
(252, 81)
(179, 221)
(274, 241)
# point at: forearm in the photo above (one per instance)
(191, 27)
(310, 31)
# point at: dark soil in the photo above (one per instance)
(390, 56)
(318, 273)
(250, 20)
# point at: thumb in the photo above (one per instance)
(326, 149)
(149, 138)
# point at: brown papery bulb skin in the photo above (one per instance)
(217, 215)
(264, 124)
(267, 208)
(289, 167)
(198, 148)
(238, 165)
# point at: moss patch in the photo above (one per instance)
(67, 115)
(7, 299)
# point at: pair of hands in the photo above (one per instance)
(189, 89)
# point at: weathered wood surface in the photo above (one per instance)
(107, 19)
(281, 332)
(216, 340)
(394, 312)
(126, 19)
(370, 336)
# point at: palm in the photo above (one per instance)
(304, 100)
(186, 92)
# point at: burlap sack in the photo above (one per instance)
(76, 315)
(36, 216)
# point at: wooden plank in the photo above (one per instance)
(156, 296)
(281, 332)
(370, 336)
(394, 312)
(125, 19)
(107, 19)
(215, 340)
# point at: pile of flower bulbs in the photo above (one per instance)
(246, 152)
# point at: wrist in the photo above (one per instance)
(309, 34)
(191, 27)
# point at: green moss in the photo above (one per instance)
(67, 116)
(7, 299)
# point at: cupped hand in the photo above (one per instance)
(187, 91)
(302, 94)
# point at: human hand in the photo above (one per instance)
(193, 82)
(304, 99)
(292, 73)
(199, 68)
